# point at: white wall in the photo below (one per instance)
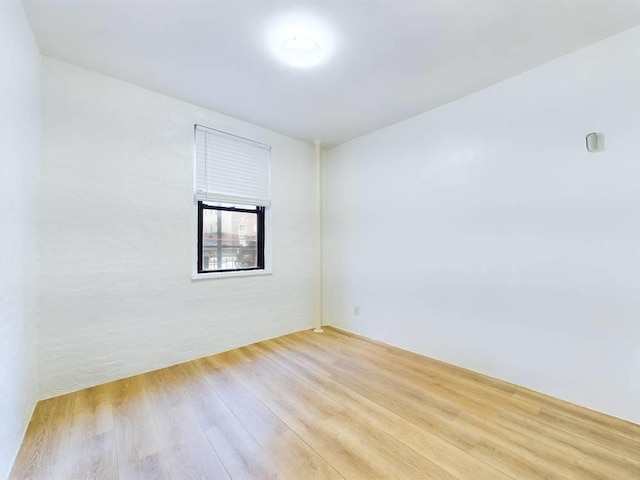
(20, 120)
(482, 233)
(118, 236)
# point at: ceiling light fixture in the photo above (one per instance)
(301, 50)
(300, 41)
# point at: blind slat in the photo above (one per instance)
(231, 169)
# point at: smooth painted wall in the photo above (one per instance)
(483, 234)
(118, 236)
(20, 124)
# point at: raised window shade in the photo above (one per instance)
(231, 169)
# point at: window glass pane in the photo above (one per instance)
(229, 240)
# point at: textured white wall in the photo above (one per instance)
(118, 236)
(482, 233)
(20, 118)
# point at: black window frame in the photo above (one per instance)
(258, 210)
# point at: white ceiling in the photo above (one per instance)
(392, 59)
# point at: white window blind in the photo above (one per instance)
(231, 169)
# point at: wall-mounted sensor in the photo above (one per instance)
(595, 142)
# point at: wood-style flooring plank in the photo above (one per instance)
(584, 415)
(92, 440)
(189, 451)
(139, 447)
(291, 455)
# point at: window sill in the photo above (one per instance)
(248, 273)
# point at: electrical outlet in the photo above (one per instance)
(356, 310)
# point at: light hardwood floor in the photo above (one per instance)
(323, 406)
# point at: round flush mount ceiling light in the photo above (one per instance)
(300, 42)
(301, 50)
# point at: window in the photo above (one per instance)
(225, 247)
(232, 191)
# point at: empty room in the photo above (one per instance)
(332, 239)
